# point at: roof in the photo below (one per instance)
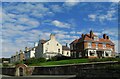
(75, 41)
(65, 48)
(43, 41)
(88, 38)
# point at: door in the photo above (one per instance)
(21, 71)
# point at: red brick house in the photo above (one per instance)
(91, 46)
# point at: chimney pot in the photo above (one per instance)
(107, 37)
(82, 35)
(104, 36)
(91, 33)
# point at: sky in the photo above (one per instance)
(24, 23)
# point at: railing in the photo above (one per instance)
(100, 48)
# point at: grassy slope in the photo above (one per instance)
(61, 62)
(73, 61)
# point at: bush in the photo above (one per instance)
(34, 61)
(57, 58)
(103, 59)
(5, 65)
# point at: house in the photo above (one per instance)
(91, 46)
(29, 53)
(21, 56)
(66, 51)
(48, 48)
(5, 60)
(17, 57)
(117, 55)
(14, 58)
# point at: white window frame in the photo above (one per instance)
(89, 44)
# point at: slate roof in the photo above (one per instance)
(65, 48)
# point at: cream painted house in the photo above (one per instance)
(48, 48)
(66, 51)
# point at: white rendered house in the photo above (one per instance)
(66, 51)
(48, 48)
(29, 53)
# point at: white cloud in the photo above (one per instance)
(109, 15)
(56, 8)
(72, 32)
(60, 24)
(71, 3)
(59, 32)
(97, 33)
(92, 17)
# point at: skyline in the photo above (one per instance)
(22, 27)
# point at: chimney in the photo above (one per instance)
(104, 36)
(52, 36)
(16, 53)
(66, 44)
(82, 35)
(107, 37)
(20, 51)
(26, 48)
(91, 33)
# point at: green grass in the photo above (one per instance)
(73, 61)
(61, 62)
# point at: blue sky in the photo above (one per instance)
(24, 23)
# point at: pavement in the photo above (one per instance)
(40, 77)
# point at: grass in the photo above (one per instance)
(62, 62)
(73, 61)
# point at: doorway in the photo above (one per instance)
(21, 71)
(100, 54)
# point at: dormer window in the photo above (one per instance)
(96, 38)
(89, 44)
(104, 45)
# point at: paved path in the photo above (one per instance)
(40, 77)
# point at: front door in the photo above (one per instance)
(99, 54)
(21, 71)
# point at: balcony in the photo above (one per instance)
(100, 48)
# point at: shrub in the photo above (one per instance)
(57, 58)
(34, 60)
(5, 65)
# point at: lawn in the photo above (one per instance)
(73, 61)
(61, 62)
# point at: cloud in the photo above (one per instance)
(56, 8)
(92, 17)
(61, 24)
(109, 15)
(59, 32)
(71, 3)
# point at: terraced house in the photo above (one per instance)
(91, 46)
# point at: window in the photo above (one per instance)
(96, 45)
(106, 54)
(91, 53)
(58, 50)
(104, 45)
(96, 38)
(62, 52)
(89, 45)
(67, 53)
(57, 44)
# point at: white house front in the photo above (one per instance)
(48, 48)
